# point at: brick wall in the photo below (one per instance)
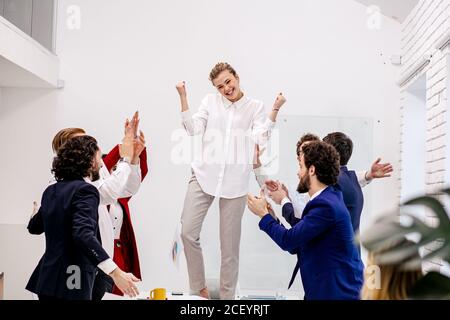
(425, 26)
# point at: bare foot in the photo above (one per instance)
(204, 293)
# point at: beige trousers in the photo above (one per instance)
(196, 205)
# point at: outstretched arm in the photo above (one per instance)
(263, 125)
(279, 101)
(377, 171)
(194, 124)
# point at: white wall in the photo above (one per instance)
(319, 53)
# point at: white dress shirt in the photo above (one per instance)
(229, 132)
(122, 183)
(116, 214)
(299, 200)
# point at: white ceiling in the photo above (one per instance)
(395, 9)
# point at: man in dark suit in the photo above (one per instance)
(69, 218)
(329, 263)
(347, 180)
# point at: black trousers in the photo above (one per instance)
(102, 284)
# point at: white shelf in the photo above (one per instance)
(24, 62)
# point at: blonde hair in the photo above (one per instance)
(63, 135)
(396, 282)
(219, 68)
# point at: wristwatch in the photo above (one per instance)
(125, 159)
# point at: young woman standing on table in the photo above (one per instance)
(222, 119)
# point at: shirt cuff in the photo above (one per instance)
(270, 124)
(135, 167)
(361, 176)
(107, 266)
(284, 201)
(186, 115)
(127, 166)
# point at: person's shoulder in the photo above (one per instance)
(256, 102)
(81, 184)
(329, 197)
(211, 97)
(82, 187)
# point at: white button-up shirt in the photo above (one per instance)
(116, 213)
(122, 183)
(229, 132)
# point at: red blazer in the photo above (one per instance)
(127, 233)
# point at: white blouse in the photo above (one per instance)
(229, 132)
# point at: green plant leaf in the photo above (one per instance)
(432, 286)
(435, 206)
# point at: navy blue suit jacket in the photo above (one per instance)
(329, 263)
(69, 218)
(353, 196)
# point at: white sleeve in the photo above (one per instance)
(134, 181)
(284, 201)
(262, 127)
(196, 124)
(113, 187)
(361, 176)
(299, 202)
(107, 266)
(260, 177)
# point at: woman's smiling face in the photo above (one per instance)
(228, 85)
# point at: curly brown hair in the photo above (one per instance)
(308, 137)
(220, 67)
(74, 159)
(325, 160)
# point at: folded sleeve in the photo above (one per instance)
(196, 124)
(262, 126)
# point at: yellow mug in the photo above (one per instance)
(158, 294)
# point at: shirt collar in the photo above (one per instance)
(315, 195)
(240, 103)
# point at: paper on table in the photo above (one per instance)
(177, 246)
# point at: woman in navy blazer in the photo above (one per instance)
(69, 218)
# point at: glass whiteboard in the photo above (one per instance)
(264, 267)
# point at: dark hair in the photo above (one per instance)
(308, 137)
(325, 160)
(342, 143)
(74, 159)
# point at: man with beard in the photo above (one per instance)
(351, 182)
(329, 263)
(69, 218)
